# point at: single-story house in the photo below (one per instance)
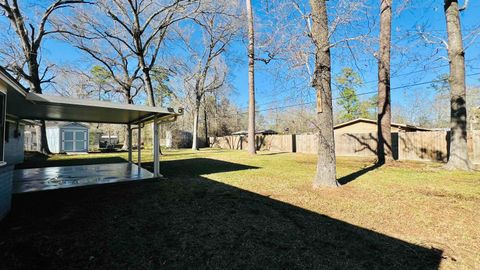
(18, 106)
(363, 125)
(67, 137)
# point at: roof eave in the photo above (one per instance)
(12, 82)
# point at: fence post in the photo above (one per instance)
(294, 143)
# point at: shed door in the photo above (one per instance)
(74, 140)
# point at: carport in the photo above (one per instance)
(24, 105)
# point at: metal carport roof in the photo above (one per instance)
(22, 104)
(43, 107)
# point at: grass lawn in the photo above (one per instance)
(228, 210)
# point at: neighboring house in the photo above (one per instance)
(67, 137)
(363, 125)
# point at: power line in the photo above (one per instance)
(359, 94)
(367, 82)
(374, 81)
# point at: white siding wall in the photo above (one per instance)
(5, 177)
(6, 174)
(53, 138)
(14, 147)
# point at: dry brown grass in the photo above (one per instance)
(226, 209)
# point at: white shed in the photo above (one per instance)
(67, 137)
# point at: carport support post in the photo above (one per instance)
(130, 146)
(156, 154)
(139, 146)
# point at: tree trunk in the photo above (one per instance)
(195, 127)
(126, 142)
(147, 80)
(35, 87)
(206, 128)
(44, 149)
(384, 119)
(326, 163)
(148, 87)
(126, 139)
(251, 80)
(458, 158)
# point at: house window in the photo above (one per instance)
(2, 124)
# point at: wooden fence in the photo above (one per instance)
(276, 143)
(361, 144)
(434, 145)
(306, 144)
(428, 145)
(228, 142)
(424, 146)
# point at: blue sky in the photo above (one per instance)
(427, 13)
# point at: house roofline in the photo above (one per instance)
(61, 124)
(11, 81)
(374, 122)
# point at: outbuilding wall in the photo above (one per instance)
(54, 135)
(53, 138)
(14, 147)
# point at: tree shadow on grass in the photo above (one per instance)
(195, 167)
(353, 176)
(201, 151)
(273, 153)
(189, 221)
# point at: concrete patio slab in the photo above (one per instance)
(38, 179)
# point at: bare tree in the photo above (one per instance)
(458, 158)
(70, 82)
(384, 119)
(207, 73)
(326, 164)
(89, 33)
(312, 57)
(453, 88)
(142, 29)
(251, 80)
(29, 38)
(125, 29)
